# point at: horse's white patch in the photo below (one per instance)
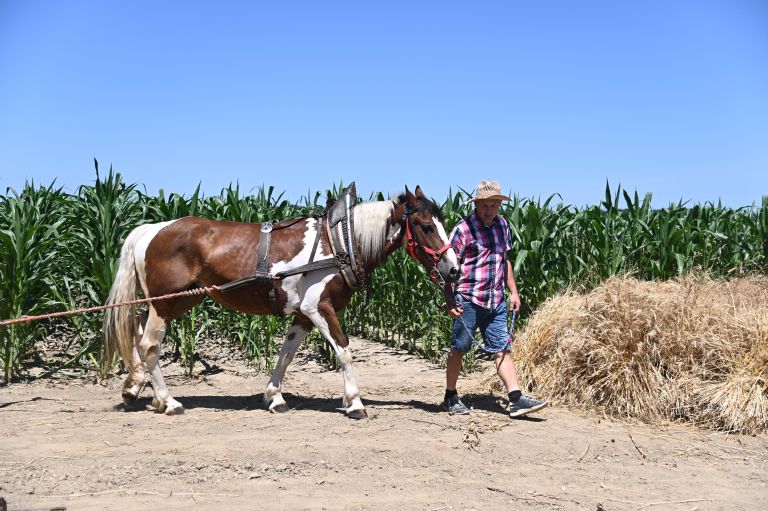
(351, 398)
(293, 337)
(297, 287)
(154, 332)
(140, 251)
(449, 255)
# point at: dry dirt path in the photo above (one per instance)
(63, 443)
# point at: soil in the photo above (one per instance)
(68, 443)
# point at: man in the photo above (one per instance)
(477, 300)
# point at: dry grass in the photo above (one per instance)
(694, 350)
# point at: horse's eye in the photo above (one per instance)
(427, 228)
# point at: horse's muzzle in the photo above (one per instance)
(450, 274)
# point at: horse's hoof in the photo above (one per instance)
(358, 414)
(177, 410)
(281, 408)
(129, 400)
(169, 407)
(158, 405)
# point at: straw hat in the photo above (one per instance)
(488, 190)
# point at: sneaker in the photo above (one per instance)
(525, 405)
(453, 405)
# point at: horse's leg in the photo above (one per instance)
(273, 398)
(154, 332)
(324, 318)
(137, 377)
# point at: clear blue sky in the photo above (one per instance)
(662, 96)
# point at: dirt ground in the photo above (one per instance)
(69, 443)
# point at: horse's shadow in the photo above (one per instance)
(295, 402)
(255, 402)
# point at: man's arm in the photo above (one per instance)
(514, 296)
(454, 309)
(458, 244)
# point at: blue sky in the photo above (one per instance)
(662, 96)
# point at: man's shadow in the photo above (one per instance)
(490, 403)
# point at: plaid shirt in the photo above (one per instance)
(482, 255)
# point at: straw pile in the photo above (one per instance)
(693, 350)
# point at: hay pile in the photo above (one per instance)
(694, 350)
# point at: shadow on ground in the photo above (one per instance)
(481, 402)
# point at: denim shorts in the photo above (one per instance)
(491, 322)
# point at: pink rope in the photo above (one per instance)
(191, 292)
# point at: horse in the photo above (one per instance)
(192, 253)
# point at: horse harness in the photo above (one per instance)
(412, 245)
(338, 219)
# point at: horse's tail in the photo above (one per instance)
(120, 322)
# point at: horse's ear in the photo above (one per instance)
(411, 198)
(419, 193)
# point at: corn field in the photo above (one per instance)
(59, 251)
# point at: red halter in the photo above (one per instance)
(412, 244)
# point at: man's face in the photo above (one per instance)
(487, 209)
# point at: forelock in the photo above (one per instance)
(426, 205)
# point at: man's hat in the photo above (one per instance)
(488, 190)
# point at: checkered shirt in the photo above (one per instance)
(482, 255)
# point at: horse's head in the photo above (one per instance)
(425, 237)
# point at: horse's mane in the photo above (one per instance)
(372, 223)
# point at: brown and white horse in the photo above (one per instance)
(192, 252)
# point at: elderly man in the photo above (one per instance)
(478, 300)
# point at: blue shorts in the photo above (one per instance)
(491, 322)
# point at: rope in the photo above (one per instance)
(191, 292)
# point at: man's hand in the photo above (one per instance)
(514, 301)
(455, 310)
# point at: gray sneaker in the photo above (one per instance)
(453, 405)
(525, 405)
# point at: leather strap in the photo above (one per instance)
(262, 263)
(317, 239)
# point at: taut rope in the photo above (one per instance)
(191, 292)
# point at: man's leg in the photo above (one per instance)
(453, 368)
(461, 342)
(452, 402)
(505, 366)
(498, 340)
